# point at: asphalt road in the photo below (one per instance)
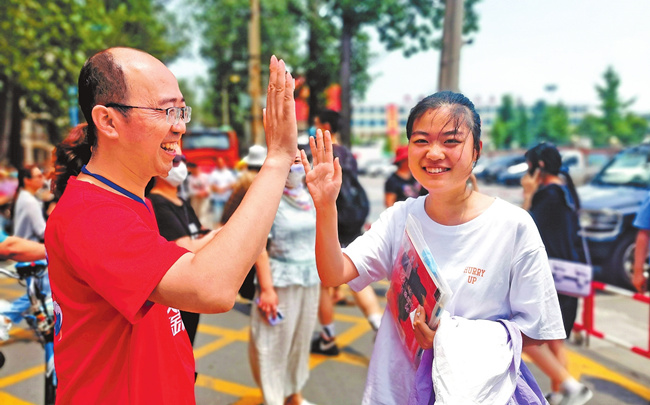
(615, 374)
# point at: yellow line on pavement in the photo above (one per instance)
(241, 334)
(6, 399)
(227, 387)
(580, 365)
(212, 347)
(21, 376)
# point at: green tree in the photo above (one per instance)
(223, 25)
(503, 129)
(402, 24)
(550, 123)
(44, 44)
(613, 120)
(511, 126)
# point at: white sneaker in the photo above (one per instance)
(554, 398)
(577, 397)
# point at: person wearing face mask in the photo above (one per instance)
(178, 222)
(286, 297)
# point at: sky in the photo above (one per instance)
(521, 47)
(524, 45)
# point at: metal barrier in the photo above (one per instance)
(588, 319)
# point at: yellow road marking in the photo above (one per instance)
(241, 334)
(212, 347)
(227, 387)
(21, 376)
(6, 399)
(579, 365)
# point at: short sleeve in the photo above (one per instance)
(533, 299)
(390, 186)
(169, 225)
(119, 256)
(642, 220)
(373, 252)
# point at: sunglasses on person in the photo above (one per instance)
(178, 159)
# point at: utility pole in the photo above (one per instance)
(255, 73)
(451, 42)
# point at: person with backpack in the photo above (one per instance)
(352, 207)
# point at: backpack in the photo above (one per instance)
(352, 205)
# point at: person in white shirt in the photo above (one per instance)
(221, 180)
(497, 241)
(199, 192)
(28, 219)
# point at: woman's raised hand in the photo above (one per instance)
(279, 116)
(324, 180)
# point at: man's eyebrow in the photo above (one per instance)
(171, 100)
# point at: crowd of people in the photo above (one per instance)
(140, 242)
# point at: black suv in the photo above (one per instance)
(609, 205)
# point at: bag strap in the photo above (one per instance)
(584, 243)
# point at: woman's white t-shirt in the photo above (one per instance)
(495, 264)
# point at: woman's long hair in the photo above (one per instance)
(71, 154)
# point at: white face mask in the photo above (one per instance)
(296, 176)
(177, 175)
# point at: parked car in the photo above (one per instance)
(582, 166)
(609, 205)
(382, 167)
(489, 170)
(204, 146)
(367, 153)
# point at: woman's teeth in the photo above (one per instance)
(434, 170)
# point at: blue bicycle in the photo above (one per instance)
(37, 310)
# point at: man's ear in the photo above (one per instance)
(104, 122)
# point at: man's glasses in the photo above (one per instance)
(174, 114)
(178, 159)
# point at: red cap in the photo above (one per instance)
(402, 153)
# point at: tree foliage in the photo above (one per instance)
(409, 25)
(44, 44)
(324, 40)
(516, 126)
(614, 121)
(223, 26)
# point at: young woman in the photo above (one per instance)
(552, 200)
(287, 299)
(463, 228)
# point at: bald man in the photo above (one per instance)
(117, 284)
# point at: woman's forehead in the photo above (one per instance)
(440, 120)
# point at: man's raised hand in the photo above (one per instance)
(280, 123)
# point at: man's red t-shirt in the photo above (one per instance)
(111, 344)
